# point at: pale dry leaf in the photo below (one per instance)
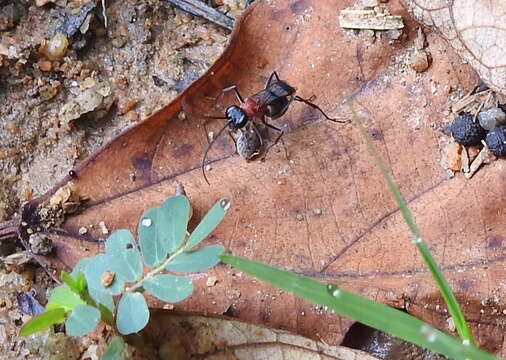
(474, 28)
(214, 338)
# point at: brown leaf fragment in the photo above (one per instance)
(452, 156)
(474, 28)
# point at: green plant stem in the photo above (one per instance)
(156, 270)
(453, 306)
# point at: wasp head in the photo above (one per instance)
(236, 116)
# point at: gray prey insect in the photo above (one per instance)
(272, 102)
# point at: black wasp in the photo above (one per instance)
(271, 102)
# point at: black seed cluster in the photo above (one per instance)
(467, 132)
(496, 141)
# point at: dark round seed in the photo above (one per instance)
(496, 141)
(467, 132)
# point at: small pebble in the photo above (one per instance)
(299, 217)
(451, 324)
(57, 47)
(492, 118)
(208, 167)
(317, 211)
(118, 41)
(44, 65)
(211, 281)
(40, 244)
(125, 106)
(496, 141)
(82, 230)
(132, 116)
(419, 61)
(103, 228)
(40, 3)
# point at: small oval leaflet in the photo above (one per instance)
(94, 271)
(175, 214)
(152, 248)
(197, 260)
(133, 313)
(114, 350)
(208, 223)
(102, 297)
(125, 259)
(169, 288)
(82, 320)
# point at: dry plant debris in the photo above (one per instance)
(369, 15)
(483, 109)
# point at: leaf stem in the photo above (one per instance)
(156, 270)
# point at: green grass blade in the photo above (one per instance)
(358, 308)
(451, 302)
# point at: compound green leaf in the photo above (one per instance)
(197, 260)
(169, 288)
(125, 259)
(63, 297)
(94, 272)
(43, 321)
(82, 320)
(208, 223)
(115, 349)
(133, 313)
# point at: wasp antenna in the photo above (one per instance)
(207, 150)
(314, 106)
(216, 117)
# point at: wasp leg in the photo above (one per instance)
(314, 106)
(280, 134)
(274, 74)
(237, 93)
(233, 139)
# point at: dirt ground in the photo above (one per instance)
(58, 105)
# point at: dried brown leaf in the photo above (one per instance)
(357, 237)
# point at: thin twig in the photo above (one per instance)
(9, 229)
(104, 13)
(200, 9)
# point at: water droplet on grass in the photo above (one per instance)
(333, 290)
(225, 204)
(429, 333)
